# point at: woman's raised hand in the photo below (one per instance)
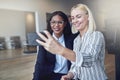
(49, 43)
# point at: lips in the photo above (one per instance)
(56, 29)
(78, 25)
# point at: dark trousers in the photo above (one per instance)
(53, 76)
(56, 76)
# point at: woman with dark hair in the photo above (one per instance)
(52, 66)
(67, 28)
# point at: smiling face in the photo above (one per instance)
(79, 19)
(57, 25)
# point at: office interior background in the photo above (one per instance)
(19, 18)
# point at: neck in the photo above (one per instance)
(82, 32)
(58, 35)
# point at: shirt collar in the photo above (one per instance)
(84, 35)
(60, 39)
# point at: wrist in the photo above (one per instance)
(70, 75)
(62, 51)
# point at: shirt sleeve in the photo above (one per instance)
(75, 67)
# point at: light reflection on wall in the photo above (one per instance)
(30, 22)
(30, 18)
(112, 34)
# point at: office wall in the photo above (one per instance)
(12, 23)
(104, 10)
(106, 13)
(41, 6)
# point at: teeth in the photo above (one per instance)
(56, 29)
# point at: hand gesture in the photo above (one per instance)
(49, 43)
(65, 77)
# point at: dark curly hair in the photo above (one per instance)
(67, 29)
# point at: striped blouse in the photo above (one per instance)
(90, 54)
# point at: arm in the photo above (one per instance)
(67, 53)
(51, 45)
(39, 66)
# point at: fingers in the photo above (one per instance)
(41, 42)
(48, 34)
(45, 39)
(65, 77)
(42, 36)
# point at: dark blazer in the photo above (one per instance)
(46, 61)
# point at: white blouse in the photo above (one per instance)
(61, 62)
(90, 54)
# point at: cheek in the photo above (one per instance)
(82, 20)
(86, 21)
(52, 27)
(62, 27)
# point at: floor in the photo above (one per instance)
(110, 65)
(16, 65)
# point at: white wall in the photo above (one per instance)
(107, 16)
(12, 23)
(42, 6)
(104, 10)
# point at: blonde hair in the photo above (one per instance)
(92, 25)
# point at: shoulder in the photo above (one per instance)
(97, 34)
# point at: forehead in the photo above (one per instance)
(77, 11)
(57, 17)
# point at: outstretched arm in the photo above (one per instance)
(51, 45)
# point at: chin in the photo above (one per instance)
(56, 32)
(77, 28)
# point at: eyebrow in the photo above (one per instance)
(77, 15)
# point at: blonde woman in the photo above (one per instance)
(88, 54)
